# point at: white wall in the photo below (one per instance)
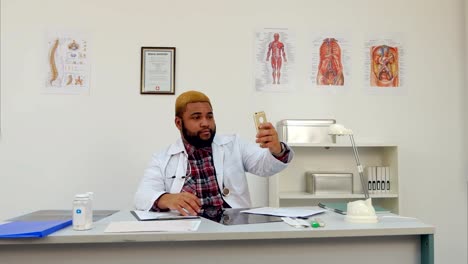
(53, 146)
(466, 99)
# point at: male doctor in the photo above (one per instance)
(203, 171)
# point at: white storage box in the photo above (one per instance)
(305, 130)
(329, 183)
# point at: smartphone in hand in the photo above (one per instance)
(259, 118)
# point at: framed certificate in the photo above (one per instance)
(158, 70)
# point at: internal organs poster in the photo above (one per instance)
(330, 61)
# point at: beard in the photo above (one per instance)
(195, 140)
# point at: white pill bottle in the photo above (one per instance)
(82, 212)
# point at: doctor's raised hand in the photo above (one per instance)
(268, 138)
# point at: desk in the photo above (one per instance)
(387, 242)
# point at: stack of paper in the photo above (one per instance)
(153, 226)
(149, 216)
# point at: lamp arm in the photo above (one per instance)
(359, 166)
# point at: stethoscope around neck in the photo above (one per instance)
(225, 192)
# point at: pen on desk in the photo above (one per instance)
(338, 211)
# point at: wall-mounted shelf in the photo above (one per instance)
(288, 188)
(340, 145)
(306, 195)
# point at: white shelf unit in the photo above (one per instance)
(288, 188)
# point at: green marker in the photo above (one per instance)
(317, 223)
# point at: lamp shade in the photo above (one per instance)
(339, 130)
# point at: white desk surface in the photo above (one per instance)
(211, 231)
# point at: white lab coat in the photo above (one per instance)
(232, 158)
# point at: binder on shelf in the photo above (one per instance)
(369, 178)
(383, 186)
(387, 179)
(383, 183)
(32, 229)
(378, 179)
(374, 179)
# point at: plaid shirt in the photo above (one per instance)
(201, 177)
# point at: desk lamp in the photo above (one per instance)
(357, 211)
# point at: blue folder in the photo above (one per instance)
(35, 229)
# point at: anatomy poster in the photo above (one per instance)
(384, 64)
(274, 60)
(68, 67)
(330, 62)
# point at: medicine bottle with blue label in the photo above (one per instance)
(81, 212)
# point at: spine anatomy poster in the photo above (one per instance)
(68, 67)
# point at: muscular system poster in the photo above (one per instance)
(274, 51)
